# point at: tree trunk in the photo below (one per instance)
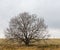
(27, 42)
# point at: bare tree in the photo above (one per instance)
(26, 27)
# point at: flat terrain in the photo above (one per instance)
(52, 44)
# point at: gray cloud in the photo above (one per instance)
(49, 9)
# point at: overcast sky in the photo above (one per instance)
(48, 9)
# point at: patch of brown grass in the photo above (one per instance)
(53, 44)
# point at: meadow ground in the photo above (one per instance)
(52, 44)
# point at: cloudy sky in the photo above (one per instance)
(48, 9)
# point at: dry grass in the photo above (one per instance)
(53, 44)
(28, 48)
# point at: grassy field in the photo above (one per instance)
(52, 44)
